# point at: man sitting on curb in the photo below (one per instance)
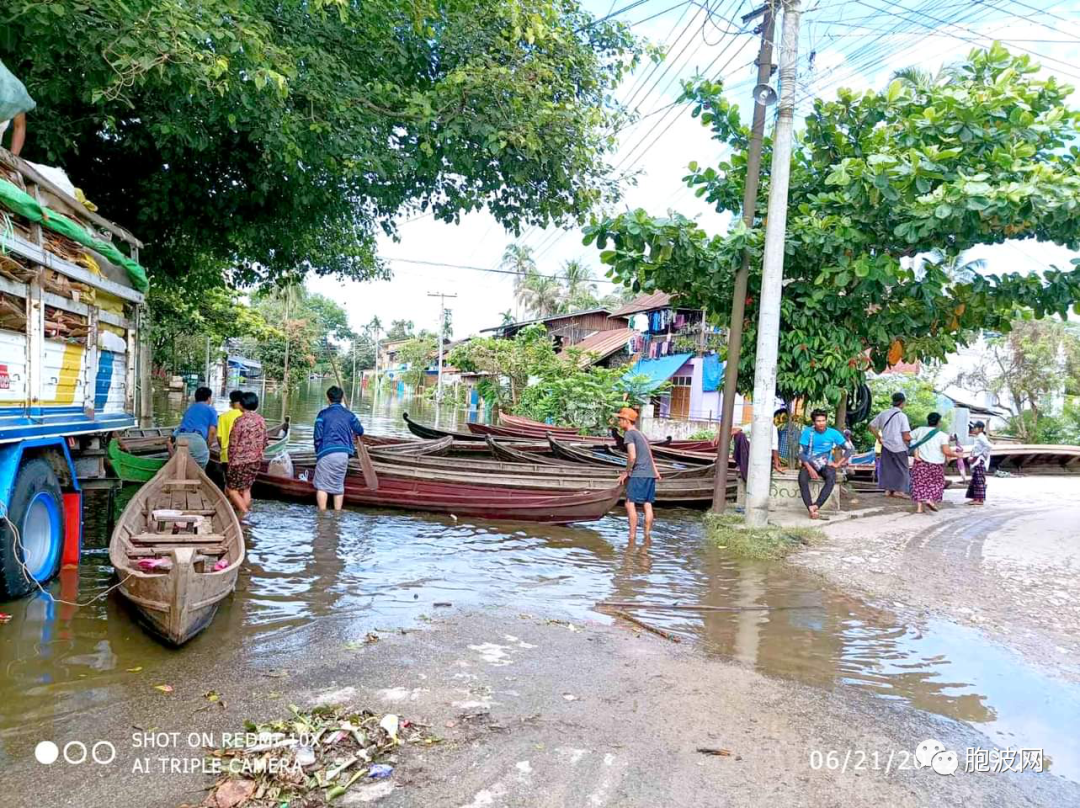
(816, 455)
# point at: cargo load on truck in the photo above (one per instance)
(72, 294)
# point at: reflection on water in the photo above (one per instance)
(385, 569)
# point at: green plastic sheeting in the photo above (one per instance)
(11, 196)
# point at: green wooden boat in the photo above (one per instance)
(145, 455)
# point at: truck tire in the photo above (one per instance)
(37, 510)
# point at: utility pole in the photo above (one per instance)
(772, 278)
(738, 296)
(208, 361)
(285, 381)
(442, 328)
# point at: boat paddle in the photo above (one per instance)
(371, 479)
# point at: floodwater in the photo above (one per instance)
(385, 569)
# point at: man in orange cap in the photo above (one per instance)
(640, 476)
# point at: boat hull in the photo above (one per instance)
(177, 601)
(481, 501)
(151, 454)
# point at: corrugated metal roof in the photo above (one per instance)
(657, 300)
(602, 343)
(550, 318)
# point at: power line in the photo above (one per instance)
(494, 270)
(1042, 57)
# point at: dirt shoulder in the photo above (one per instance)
(534, 713)
(1010, 568)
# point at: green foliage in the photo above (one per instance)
(509, 364)
(180, 325)
(312, 321)
(1026, 368)
(418, 354)
(262, 140)
(400, 329)
(525, 376)
(587, 398)
(761, 544)
(1032, 427)
(921, 401)
(983, 154)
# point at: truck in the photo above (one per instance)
(74, 364)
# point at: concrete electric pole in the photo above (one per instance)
(442, 329)
(772, 280)
(738, 297)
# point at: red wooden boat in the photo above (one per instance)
(458, 499)
(536, 427)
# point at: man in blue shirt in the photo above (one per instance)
(816, 455)
(198, 427)
(336, 432)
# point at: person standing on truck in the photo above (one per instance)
(640, 476)
(15, 102)
(224, 427)
(336, 432)
(198, 427)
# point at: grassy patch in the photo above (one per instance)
(762, 543)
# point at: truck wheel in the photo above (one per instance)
(37, 511)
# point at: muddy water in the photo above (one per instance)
(387, 569)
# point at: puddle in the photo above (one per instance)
(386, 569)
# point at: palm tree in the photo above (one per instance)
(507, 317)
(959, 270)
(518, 258)
(580, 289)
(540, 294)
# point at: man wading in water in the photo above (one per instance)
(642, 474)
(336, 433)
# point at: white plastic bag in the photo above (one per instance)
(281, 466)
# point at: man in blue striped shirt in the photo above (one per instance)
(336, 432)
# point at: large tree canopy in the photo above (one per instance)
(983, 153)
(264, 139)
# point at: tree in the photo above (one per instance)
(312, 322)
(541, 295)
(1028, 368)
(878, 179)
(518, 258)
(400, 329)
(580, 287)
(448, 324)
(507, 317)
(525, 376)
(417, 353)
(180, 325)
(510, 363)
(261, 140)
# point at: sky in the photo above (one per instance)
(842, 43)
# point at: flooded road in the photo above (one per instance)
(385, 570)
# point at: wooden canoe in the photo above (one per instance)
(138, 459)
(499, 503)
(434, 433)
(412, 448)
(179, 599)
(512, 454)
(686, 488)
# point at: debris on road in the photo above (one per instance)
(705, 750)
(311, 758)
